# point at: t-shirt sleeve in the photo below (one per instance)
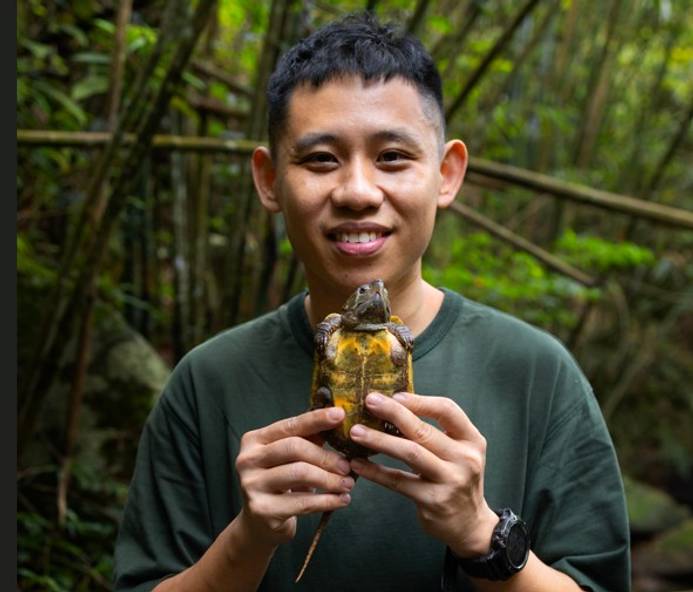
(165, 526)
(575, 501)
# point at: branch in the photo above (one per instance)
(501, 232)
(583, 194)
(220, 75)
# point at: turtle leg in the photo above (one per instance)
(324, 331)
(404, 344)
(403, 335)
(323, 398)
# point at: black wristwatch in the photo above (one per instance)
(509, 550)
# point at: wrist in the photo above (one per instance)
(508, 554)
(476, 541)
(242, 538)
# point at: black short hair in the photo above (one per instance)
(356, 45)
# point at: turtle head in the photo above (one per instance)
(368, 304)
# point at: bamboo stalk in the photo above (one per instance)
(416, 19)
(84, 342)
(75, 405)
(487, 60)
(118, 62)
(61, 139)
(501, 232)
(444, 46)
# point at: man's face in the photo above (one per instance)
(358, 179)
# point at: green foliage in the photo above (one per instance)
(77, 556)
(28, 265)
(479, 267)
(592, 252)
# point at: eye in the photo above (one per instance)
(319, 159)
(393, 157)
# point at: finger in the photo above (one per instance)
(420, 459)
(413, 427)
(306, 424)
(302, 475)
(302, 503)
(394, 479)
(445, 411)
(295, 448)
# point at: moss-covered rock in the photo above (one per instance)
(651, 510)
(670, 554)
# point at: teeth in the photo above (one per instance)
(358, 237)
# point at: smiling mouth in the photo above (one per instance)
(357, 237)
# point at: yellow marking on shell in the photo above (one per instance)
(363, 363)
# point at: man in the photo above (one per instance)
(229, 458)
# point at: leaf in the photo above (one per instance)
(76, 33)
(66, 102)
(105, 26)
(89, 86)
(194, 81)
(91, 57)
(139, 36)
(38, 50)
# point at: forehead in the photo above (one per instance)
(351, 106)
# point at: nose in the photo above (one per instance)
(357, 188)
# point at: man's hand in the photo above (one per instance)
(447, 482)
(280, 467)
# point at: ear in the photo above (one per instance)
(264, 176)
(453, 167)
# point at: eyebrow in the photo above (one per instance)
(398, 135)
(309, 140)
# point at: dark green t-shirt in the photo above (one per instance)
(549, 457)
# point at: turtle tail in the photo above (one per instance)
(324, 519)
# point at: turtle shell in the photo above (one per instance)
(354, 363)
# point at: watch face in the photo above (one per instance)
(517, 548)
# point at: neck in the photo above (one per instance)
(416, 303)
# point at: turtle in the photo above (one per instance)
(362, 349)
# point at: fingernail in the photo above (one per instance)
(335, 413)
(347, 483)
(358, 430)
(345, 498)
(344, 467)
(400, 396)
(374, 399)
